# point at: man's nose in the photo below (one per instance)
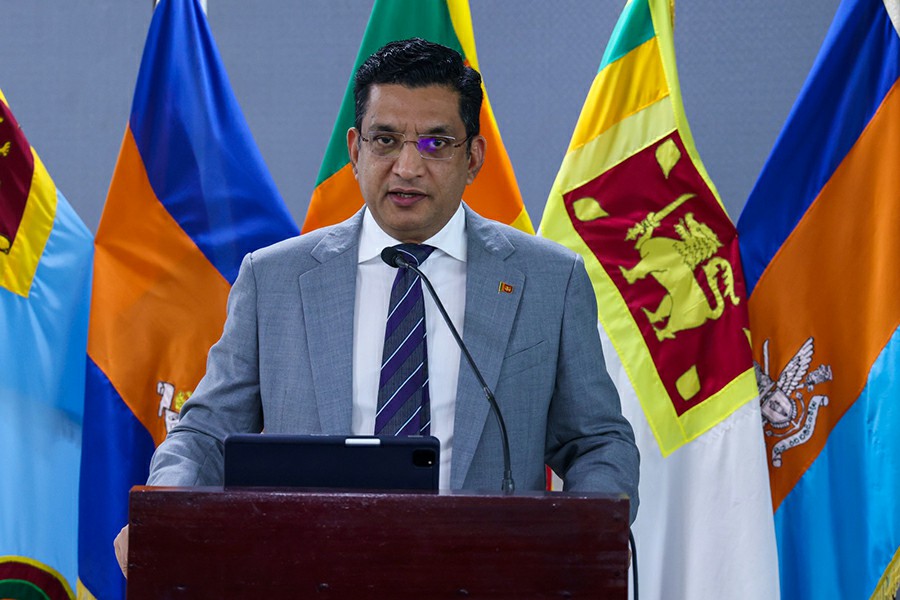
(409, 162)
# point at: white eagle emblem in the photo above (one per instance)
(786, 413)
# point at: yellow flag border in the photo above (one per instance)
(18, 268)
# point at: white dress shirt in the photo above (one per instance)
(446, 269)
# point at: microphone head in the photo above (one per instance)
(393, 257)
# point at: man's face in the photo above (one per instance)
(411, 197)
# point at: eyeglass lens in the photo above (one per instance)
(434, 147)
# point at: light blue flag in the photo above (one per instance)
(45, 271)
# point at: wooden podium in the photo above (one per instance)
(254, 543)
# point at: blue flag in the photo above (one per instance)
(190, 196)
(822, 259)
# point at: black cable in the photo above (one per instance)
(508, 485)
(394, 258)
(634, 571)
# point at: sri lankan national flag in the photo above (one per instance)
(633, 198)
(494, 194)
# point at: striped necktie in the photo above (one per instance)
(403, 405)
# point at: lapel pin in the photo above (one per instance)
(505, 288)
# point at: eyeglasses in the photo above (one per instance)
(388, 144)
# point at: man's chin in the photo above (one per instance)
(403, 223)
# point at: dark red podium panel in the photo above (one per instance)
(210, 543)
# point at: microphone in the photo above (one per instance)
(395, 258)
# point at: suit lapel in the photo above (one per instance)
(490, 312)
(328, 295)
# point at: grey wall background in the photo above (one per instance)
(68, 71)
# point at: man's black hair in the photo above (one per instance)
(418, 63)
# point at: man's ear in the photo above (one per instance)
(476, 157)
(353, 147)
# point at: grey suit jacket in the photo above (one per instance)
(284, 362)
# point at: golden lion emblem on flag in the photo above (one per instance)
(672, 263)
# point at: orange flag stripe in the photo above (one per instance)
(134, 356)
(321, 212)
(496, 178)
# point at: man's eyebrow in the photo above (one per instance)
(433, 130)
(384, 127)
(437, 130)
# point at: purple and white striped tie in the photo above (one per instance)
(403, 405)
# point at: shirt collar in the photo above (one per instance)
(451, 239)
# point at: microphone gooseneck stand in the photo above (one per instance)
(395, 258)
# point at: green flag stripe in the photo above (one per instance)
(21, 590)
(390, 20)
(635, 26)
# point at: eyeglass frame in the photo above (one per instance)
(449, 138)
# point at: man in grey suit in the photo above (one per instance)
(302, 346)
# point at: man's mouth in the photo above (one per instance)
(405, 198)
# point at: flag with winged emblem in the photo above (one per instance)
(822, 257)
(633, 198)
(494, 194)
(190, 196)
(45, 279)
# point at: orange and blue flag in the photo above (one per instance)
(494, 194)
(822, 260)
(45, 285)
(190, 196)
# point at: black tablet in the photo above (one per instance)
(332, 461)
